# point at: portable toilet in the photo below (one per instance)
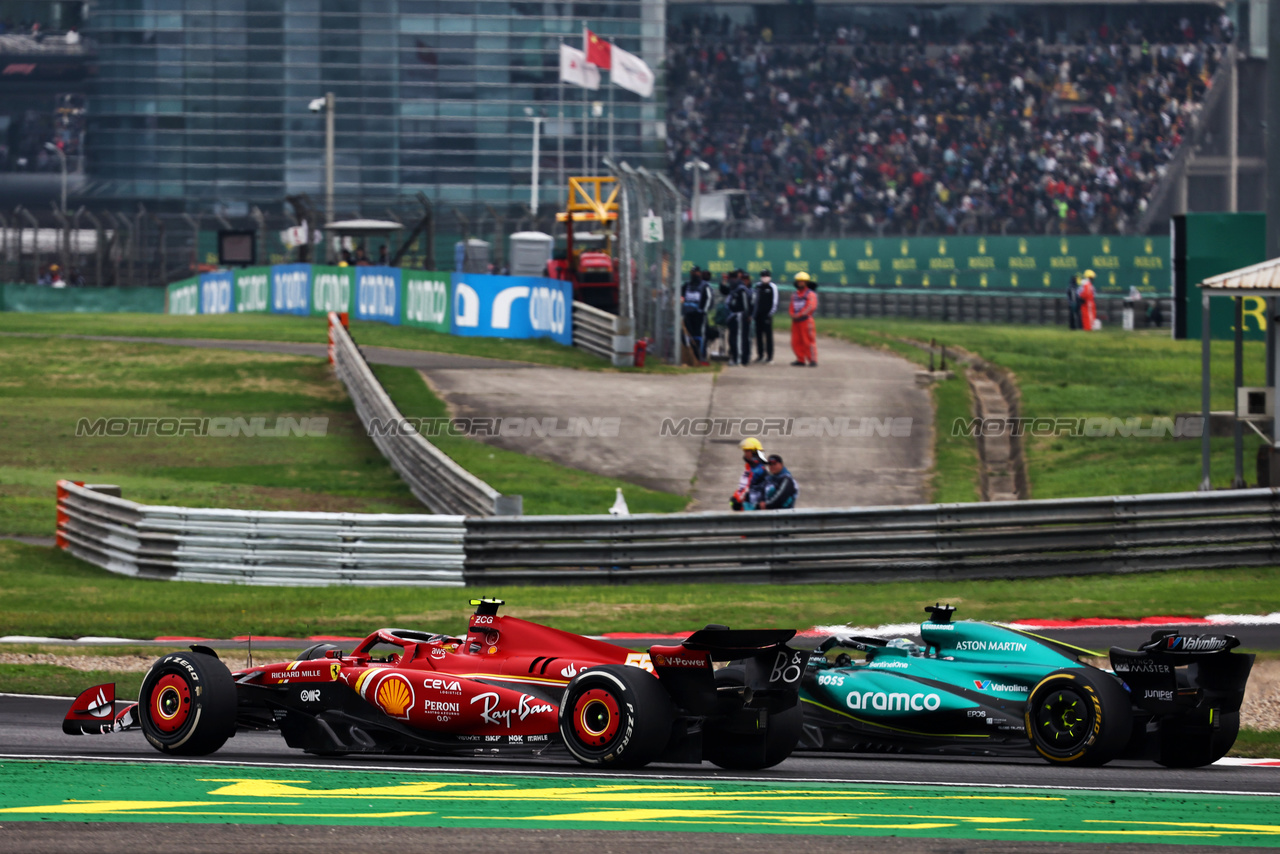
(530, 252)
(471, 256)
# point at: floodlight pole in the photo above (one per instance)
(328, 167)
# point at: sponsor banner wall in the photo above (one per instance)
(253, 289)
(217, 292)
(971, 263)
(377, 294)
(512, 307)
(291, 289)
(331, 289)
(426, 299)
(38, 298)
(183, 297)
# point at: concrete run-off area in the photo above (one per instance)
(854, 431)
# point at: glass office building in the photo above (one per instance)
(202, 105)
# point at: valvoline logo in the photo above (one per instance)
(988, 685)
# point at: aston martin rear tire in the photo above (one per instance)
(1079, 717)
(1186, 746)
(616, 716)
(187, 705)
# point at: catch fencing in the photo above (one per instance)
(439, 483)
(1010, 539)
(97, 525)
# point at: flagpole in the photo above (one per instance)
(559, 129)
(586, 115)
(611, 111)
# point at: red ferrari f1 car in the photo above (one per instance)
(508, 687)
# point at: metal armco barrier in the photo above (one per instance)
(1007, 539)
(257, 547)
(439, 483)
(603, 334)
(1011, 539)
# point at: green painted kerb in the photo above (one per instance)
(69, 791)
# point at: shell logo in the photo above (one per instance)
(395, 696)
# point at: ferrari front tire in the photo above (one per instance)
(616, 716)
(187, 705)
(1079, 717)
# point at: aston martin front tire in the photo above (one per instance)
(1079, 717)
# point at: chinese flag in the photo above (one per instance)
(597, 50)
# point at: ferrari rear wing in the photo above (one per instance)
(770, 669)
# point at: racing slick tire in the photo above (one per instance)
(1191, 746)
(616, 716)
(751, 752)
(1079, 717)
(187, 705)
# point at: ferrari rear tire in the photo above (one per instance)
(1079, 717)
(187, 705)
(1191, 746)
(752, 751)
(616, 716)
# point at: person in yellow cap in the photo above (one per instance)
(1088, 302)
(804, 335)
(754, 472)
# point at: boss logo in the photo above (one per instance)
(830, 679)
(311, 695)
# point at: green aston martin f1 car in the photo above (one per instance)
(982, 689)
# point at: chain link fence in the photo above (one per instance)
(650, 220)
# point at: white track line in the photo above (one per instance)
(540, 772)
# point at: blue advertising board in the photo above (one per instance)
(217, 293)
(378, 294)
(512, 307)
(291, 289)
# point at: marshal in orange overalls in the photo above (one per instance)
(804, 336)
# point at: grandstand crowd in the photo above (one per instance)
(929, 131)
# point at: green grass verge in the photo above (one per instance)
(48, 384)
(1257, 744)
(548, 488)
(1113, 374)
(51, 594)
(55, 680)
(310, 330)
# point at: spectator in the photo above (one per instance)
(1088, 305)
(383, 260)
(994, 133)
(780, 487)
(362, 257)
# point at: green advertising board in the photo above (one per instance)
(971, 263)
(1219, 243)
(23, 297)
(331, 288)
(253, 289)
(425, 299)
(183, 297)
